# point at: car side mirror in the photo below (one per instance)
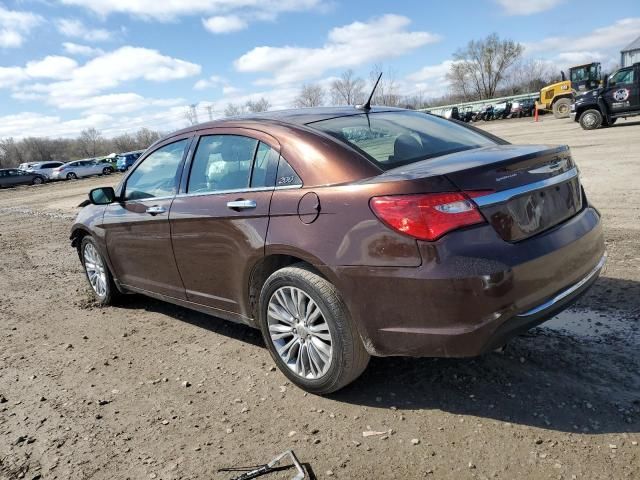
(102, 196)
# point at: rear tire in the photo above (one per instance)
(72, 176)
(331, 342)
(591, 119)
(97, 272)
(562, 108)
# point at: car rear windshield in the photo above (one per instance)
(392, 139)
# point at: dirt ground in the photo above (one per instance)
(99, 393)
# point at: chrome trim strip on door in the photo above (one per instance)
(565, 293)
(506, 195)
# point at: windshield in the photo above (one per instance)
(391, 139)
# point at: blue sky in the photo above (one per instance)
(119, 65)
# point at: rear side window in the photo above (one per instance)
(222, 162)
(392, 139)
(264, 167)
(287, 176)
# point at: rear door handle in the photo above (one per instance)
(242, 204)
(155, 210)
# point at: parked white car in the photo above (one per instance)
(81, 168)
(44, 168)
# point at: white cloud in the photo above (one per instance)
(431, 72)
(348, 46)
(612, 36)
(61, 82)
(211, 82)
(53, 66)
(169, 10)
(577, 58)
(84, 50)
(72, 27)
(11, 76)
(527, 7)
(224, 24)
(14, 25)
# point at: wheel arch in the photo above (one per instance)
(274, 260)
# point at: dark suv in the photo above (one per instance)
(124, 161)
(343, 233)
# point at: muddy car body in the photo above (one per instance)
(405, 233)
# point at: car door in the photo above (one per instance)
(622, 92)
(219, 221)
(18, 177)
(137, 230)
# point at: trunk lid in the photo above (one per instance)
(526, 189)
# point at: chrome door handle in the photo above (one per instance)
(155, 210)
(242, 204)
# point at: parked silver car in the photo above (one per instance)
(81, 168)
(44, 168)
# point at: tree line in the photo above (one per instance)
(90, 144)
(483, 69)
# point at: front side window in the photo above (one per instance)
(392, 139)
(222, 162)
(157, 175)
(623, 76)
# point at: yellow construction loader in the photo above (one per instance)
(559, 96)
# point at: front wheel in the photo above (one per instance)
(107, 171)
(591, 119)
(309, 332)
(97, 272)
(38, 181)
(562, 108)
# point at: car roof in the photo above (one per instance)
(295, 116)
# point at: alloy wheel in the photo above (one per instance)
(299, 332)
(589, 119)
(95, 270)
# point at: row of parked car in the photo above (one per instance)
(40, 172)
(498, 111)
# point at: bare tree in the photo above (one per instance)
(89, 141)
(261, 105)
(146, 137)
(311, 95)
(10, 153)
(480, 68)
(232, 110)
(529, 76)
(124, 142)
(387, 91)
(348, 89)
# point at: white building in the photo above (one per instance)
(630, 54)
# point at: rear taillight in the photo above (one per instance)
(428, 216)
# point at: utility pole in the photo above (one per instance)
(194, 113)
(210, 110)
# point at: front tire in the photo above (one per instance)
(97, 272)
(37, 181)
(562, 108)
(591, 119)
(309, 332)
(107, 171)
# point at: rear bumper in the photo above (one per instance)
(473, 291)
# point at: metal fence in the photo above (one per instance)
(442, 110)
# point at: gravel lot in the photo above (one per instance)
(99, 393)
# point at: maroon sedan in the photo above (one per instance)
(344, 233)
